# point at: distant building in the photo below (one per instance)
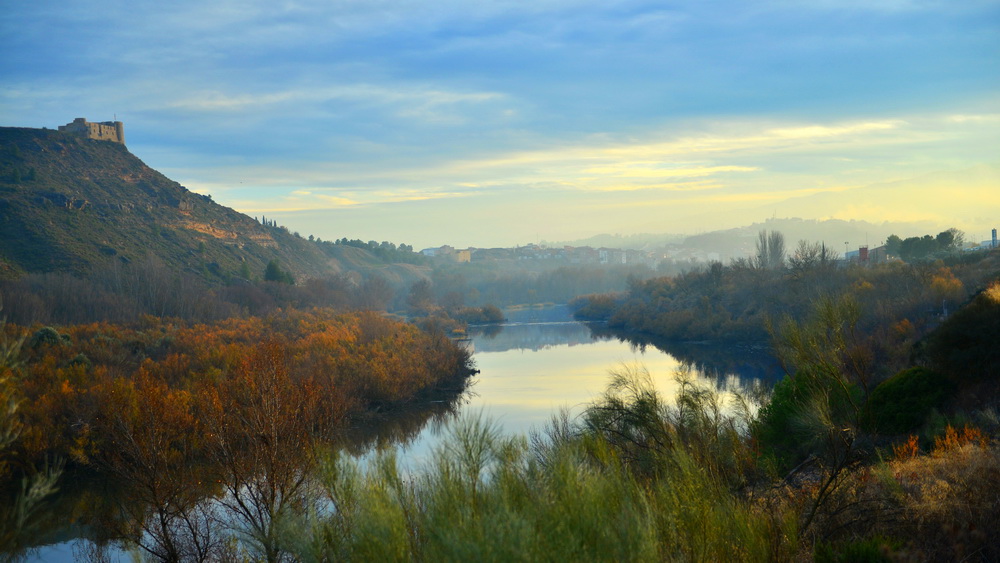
(612, 256)
(113, 131)
(880, 255)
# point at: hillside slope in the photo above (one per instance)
(69, 204)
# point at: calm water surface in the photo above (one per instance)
(542, 361)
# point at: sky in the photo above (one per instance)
(498, 123)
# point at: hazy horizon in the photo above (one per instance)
(498, 124)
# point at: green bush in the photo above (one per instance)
(903, 402)
(872, 550)
(801, 408)
(964, 346)
(46, 336)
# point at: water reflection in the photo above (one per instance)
(90, 513)
(533, 337)
(746, 361)
(541, 361)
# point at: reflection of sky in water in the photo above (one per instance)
(528, 372)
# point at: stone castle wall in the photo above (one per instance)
(113, 131)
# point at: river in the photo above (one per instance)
(542, 361)
(537, 363)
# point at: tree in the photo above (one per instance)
(805, 257)
(945, 240)
(18, 517)
(421, 296)
(952, 239)
(770, 250)
(274, 273)
(917, 248)
(262, 425)
(152, 435)
(892, 245)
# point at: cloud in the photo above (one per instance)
(725, 163)
(413, 99)
(642, 170)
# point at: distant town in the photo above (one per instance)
(742, 246)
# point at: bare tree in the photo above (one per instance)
(262, 426)
(770, 250)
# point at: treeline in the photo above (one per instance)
(385, 250)
(897, 302)
(512, 283)
(123, 293)
(925, 247)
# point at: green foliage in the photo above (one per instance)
(385, 251)
(488, 314)
(46, 336)
(927, 246)
(803, 409)
(870, 550)
(903, 402)
(892, 244)
(965, 345)
(568, 493)
(739, 301)
(274, 273)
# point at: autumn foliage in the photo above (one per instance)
(107, 395)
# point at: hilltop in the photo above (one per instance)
(72, 205)
(68, 204)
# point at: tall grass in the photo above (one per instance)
(632, 480)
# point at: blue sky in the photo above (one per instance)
(502, 123)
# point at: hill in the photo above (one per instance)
(69, 204)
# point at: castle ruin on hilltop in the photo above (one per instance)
(113, 131)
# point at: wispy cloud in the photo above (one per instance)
(644, 170)
(412, 100)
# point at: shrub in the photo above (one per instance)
(597, 307)
(964, 346)
(870, 550)
(45, 336)
(903, 402)
(786, 427)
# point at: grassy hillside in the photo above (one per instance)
(70, 205)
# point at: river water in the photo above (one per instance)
(537, 363)
(542, 361)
